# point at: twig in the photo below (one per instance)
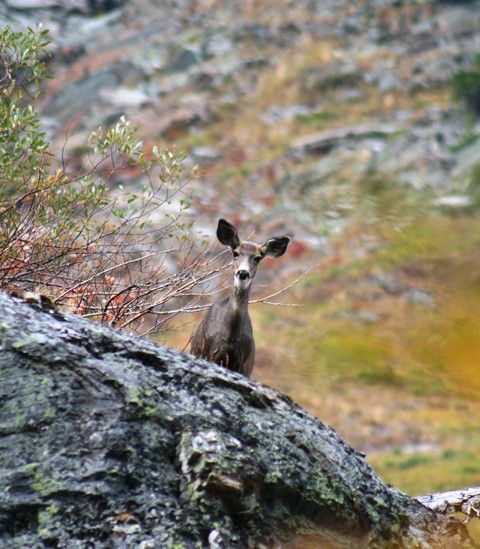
(278, 303)
(282, 290)
(110, 269)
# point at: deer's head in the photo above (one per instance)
(247, 255)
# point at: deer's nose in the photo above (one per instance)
(243, 275)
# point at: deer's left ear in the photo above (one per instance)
(227, 234)
(276, 246)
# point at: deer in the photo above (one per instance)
(225, 334)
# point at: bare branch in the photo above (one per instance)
(285, 288)
(465, 501)
(109, 270)
(279, 304)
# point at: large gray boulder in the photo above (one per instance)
(108, 440)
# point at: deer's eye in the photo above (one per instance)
(257, 259)
(235, 254)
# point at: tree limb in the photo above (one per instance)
(466, 501)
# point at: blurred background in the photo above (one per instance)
(353, 125)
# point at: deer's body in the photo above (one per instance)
(225, 334)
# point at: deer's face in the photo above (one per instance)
(247, 255)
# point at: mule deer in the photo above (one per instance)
(225, 334)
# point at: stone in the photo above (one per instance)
(255, 32)
(324, 141)
(125, 97)
(334, 76)
(216, 45)
(387, 281)
(184, 59)
(417, 296)
(205, 155)
(171, 83)
(454, 201)
(79, 95)
(363, 315)
(33, 4)
(467, 159)
(288, 112)
(180, 117)
(389, 82)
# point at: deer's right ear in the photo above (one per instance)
(227, 234)
(276, 246)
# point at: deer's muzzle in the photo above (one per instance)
(243, 275)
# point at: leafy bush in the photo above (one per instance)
(466, 86)
(90, 245)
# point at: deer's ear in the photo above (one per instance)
(276, 246)
(227, 234)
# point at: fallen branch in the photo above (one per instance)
(465, 501)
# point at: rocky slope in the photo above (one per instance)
(286, 106)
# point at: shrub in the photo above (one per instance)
(466, 86)
(90, 245)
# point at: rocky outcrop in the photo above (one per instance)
(109, 440)
(324, 141)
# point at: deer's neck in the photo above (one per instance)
(239, 300)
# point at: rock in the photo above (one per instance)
(455, 201)
(33, 4)
(108, 440)
(313, 178)
(79, 95)
(125, 97)
(256, 62)
(387, 281)
(420, 297)
(334, 76)
(363, 315)
(103, 6)
(389, 82)
(153, 59)
(172, 83)
(279, 114)
(181, 117)
(85, 7)
(432, 73)
(264, 35)
(467, 159)
(216, 45)
(184, 59)
(205, 155)
(324, 141)
(461, 22)
(81, 34)
(256, 33)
